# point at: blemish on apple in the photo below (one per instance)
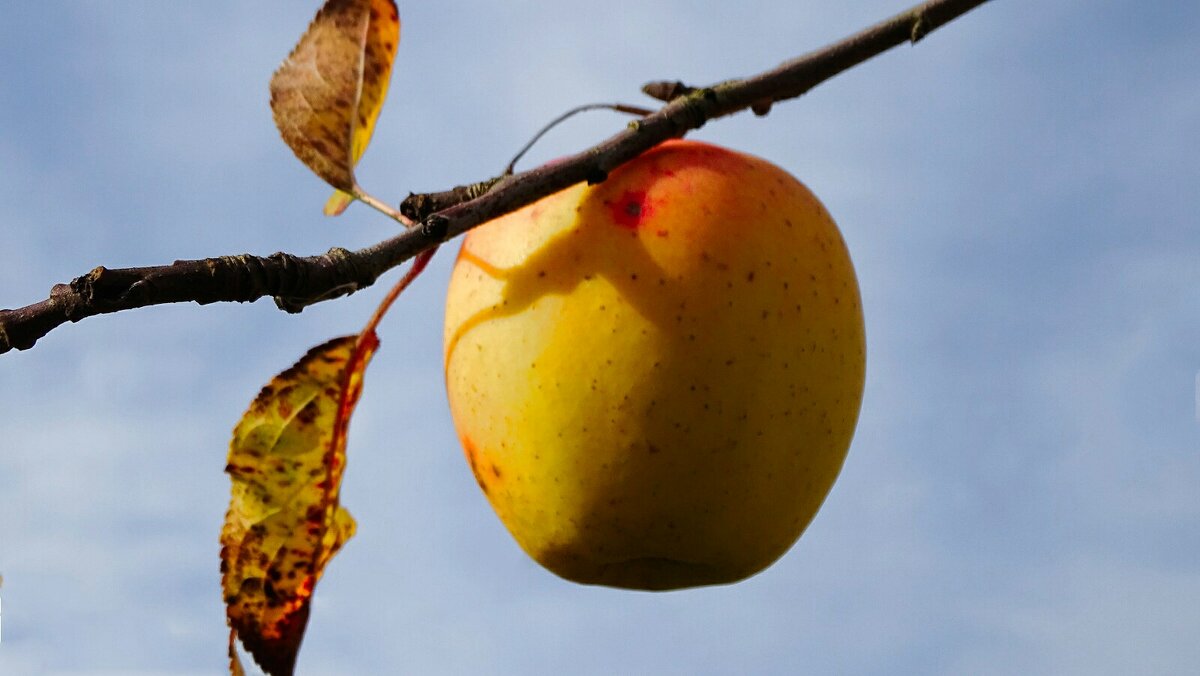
(630, 209)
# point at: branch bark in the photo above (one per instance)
(298, 281)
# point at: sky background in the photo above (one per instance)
(1019, 194)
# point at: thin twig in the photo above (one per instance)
(617, 107)
(299, 281)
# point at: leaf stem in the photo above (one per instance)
(382, 207)
(418, 266)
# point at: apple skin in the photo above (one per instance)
(656, 379)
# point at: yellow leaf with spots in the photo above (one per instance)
(383, 37)
(284, 522)
(327, 94)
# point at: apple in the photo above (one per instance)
(656, 379)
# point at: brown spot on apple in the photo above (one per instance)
(630, 209)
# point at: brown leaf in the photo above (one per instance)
(327, 94)
(383, 38)
(284, 522)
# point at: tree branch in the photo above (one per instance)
(296, 281)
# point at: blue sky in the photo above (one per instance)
(1019, 194)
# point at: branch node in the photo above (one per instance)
(435, 227)
(83, 290)
(245, 277)
(919, 27)
(418, 207)
(291, 306)
(60, 292)
(343, 264)
(693, 112)
(666, 91)
(341, 257)
(286, 279)
(141, 289)
(596, 175)
(346, 265)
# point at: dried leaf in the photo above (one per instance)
(327, 94)
(284, 522)
(383, 38)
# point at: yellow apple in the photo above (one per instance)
(656, 379)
